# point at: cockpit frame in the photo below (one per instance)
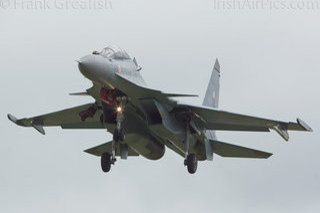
(115, 52)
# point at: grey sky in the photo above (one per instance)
(270, 67)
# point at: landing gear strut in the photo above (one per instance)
(119, 131)
(118, 137)
(119, 134)
(190, 159)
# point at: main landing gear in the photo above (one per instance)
(190, 159)
(118, 137)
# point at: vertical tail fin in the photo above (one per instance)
(211, 98)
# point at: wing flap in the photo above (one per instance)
(229, 150)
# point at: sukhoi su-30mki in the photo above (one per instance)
(145, 121)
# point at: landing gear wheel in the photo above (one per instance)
(106, 162)
(192, 163)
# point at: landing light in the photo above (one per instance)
(119, 109)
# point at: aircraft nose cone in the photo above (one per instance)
(94, 68)
(85, 66)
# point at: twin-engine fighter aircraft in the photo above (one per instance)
(145, 121)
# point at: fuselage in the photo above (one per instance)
(102, 69)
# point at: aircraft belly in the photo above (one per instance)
(176, 143)
(138, 137)
(146, 146)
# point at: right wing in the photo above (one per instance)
(222, 120)
(234, 151)
(67, 119)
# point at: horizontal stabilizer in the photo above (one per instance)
(234, 151)
(107, 147)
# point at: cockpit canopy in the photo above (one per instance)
(114, 52)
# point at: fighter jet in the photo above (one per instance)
(146, 121)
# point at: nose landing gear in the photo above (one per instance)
(119, 131)
(118, 134)
(118, 137)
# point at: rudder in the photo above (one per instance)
(211, 98)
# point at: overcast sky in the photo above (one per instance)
(270, 67)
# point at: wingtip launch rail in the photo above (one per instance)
(36, 125)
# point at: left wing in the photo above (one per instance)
(68, 119)
(222, 120)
